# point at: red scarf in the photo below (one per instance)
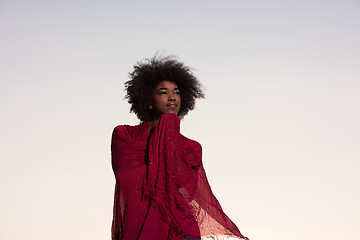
(161, 187)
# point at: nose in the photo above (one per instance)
(171, 97)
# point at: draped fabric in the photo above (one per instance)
(161, 187)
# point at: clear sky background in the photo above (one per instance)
(279, 126)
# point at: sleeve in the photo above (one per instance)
(119, 143)
(119, 146)
(115, 144)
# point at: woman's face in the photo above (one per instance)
(166, 98)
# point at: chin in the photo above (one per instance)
(169, 112)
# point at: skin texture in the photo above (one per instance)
(166, 99)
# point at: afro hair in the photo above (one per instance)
(147, 74)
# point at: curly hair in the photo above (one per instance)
(149, 73)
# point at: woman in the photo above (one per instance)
(161, 188)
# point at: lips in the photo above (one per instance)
(171, 105)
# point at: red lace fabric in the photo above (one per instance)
(161, 187)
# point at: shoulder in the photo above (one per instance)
(128, 132)
(190, 145)
(122, 131)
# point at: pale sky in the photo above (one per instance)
(279, 126)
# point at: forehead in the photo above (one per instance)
(167, 84)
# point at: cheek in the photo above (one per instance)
(159, 100)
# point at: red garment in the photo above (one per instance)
(161, 188)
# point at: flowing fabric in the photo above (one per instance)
(161, 187)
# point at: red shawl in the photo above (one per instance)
(161, 187)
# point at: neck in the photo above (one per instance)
(153, 123)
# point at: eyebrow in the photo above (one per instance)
(164, 88)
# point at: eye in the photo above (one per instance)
(177, 93)
(163, 92)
